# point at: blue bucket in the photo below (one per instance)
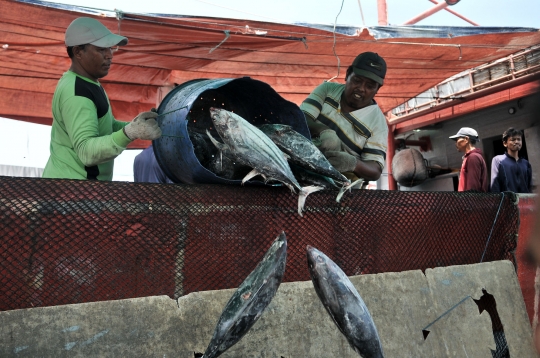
(253, 100)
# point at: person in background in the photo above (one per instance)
(85, 136)
(146, 168)
(346, 123)
(473, 174)
(509, 172)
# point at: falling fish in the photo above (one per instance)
(301, 151)
(252, 147)
(250, 299)
(344, 304)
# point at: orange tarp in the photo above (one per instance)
(164, 50)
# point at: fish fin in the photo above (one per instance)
(347, 186)
(218, 145)
(252, 174)
(304, 192)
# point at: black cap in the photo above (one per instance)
(370, 65)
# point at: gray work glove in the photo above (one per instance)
(327, 141)
(342, 161)
(144, 126)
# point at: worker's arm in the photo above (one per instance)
(345, 162)
(91, 140)
(370, 170)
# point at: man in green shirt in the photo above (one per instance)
(85, 136)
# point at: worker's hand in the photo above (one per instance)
(342, 161)
(327, 141)
(144, 126)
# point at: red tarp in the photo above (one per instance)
(164, 50)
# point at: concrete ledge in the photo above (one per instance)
(294, 325)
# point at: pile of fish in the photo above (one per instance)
(274, 151)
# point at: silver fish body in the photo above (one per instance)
(253, 148)
(307, 177)
(344, 304)
(301, 151)
(250, 299)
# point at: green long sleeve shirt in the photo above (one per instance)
(85, 137)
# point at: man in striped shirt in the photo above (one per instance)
(346, 123)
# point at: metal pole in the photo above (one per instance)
(423, 15)
(456, 14)
(392, 184)
(382, 12)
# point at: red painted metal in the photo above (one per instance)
(526, 271)
(425, 14)
(478, 100)
(392, 184)
(382, 13)
(456, 14)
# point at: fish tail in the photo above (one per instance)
(347, 186)
(304, 192)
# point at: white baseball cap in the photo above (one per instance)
(465, 131)
(85, 30)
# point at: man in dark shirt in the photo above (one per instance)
(473, 174)
(509, 172)
(146, 168)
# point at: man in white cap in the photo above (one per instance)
(473, 174)
(85, 136)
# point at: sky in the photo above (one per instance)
(508, 13)
(32, 146)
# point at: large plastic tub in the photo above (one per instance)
(253, 100)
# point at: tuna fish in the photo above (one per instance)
(301, 151)
(223, 164)
(344, 304)
(305, 176)
(252, 147)
(250, 299)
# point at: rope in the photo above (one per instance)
(492, 226)
(334, 45)
(227, 34)
(174, 110)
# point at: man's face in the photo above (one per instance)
(513, 143)
(95, 61)
(359, 91)
(461, 144)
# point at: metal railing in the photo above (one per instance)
(470, 81)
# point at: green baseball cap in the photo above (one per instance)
(85, 30)
(370, 65)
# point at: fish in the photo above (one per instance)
(344, 304)
(251, 298)
(251, 147)
(301, 151)
(305, 176)
(223, 164)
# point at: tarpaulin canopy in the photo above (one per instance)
(164, 50)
